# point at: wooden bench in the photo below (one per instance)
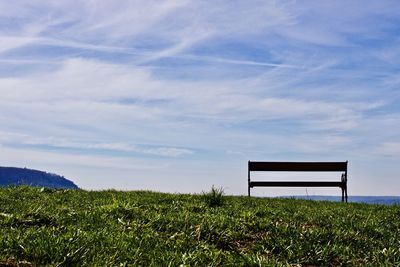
(255, 166)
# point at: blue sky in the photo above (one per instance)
(177, 96)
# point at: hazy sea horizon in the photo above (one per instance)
(384, 200)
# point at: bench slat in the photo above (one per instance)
(298, 166)
(296, 184)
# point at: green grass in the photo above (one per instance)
(214, 198)
(111, 228)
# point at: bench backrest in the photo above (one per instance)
(298, 166)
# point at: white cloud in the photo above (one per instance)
(31, 157)
(82, 90)
(390, 149)
(10, 138)
(12, 42)
(171, 26)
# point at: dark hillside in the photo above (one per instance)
(22, 176)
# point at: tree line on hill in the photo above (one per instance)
(11, 176)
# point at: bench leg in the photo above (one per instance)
(345, 190)
(248, 179)
(342, 194)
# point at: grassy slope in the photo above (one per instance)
(144, 228)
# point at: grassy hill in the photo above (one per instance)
(109, 228)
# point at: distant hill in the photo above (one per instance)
(23, 176)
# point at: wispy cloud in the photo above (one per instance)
(389, 149)
(10, 139)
